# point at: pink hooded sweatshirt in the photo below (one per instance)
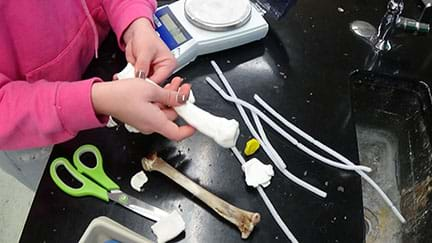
(45, 46)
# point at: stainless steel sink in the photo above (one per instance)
(393, 124)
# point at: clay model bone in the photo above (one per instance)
(223, 131)
(244, 220)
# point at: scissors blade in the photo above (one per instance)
(136, 205)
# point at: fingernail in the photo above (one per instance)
(182, 96)
(140, 74)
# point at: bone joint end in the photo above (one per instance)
(248, 225)
(148, 161)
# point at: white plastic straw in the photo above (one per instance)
(274, 156)
(331, 152)
(300, 132)
(280, 165)
(264, 140)
(264, 117)
(268, 203)
(282, 132)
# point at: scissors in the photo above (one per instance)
(101, 186)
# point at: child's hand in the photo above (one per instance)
(147, 52)
(143, 105)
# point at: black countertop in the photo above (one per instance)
(302, 68)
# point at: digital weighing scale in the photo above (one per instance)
(196, 27)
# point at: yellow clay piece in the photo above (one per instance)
(251, 147)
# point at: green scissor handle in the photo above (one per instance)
(97, 173)
(88, 188)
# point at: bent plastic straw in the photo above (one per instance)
(279, 163)
(331, 152)
(344, 160)
(282, 132)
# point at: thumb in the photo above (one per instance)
(171, 98)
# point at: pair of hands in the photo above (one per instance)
(139, 103)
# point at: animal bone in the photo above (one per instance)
(244, 220)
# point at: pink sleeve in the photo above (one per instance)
(42, 113)
(121, 13)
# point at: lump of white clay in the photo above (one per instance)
(191, 98)
(168, 227)
(127, 72)
(138, 180)
(257, 173)
(111, 122)
(131, 128)
(223, 131)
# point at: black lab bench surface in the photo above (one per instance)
(302, 69)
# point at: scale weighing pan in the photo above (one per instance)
(191, 28)
(218, 15)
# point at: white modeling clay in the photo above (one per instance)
(138, 180)
(191, 97)
(168, 227)
(111, 122)
(257, 173)
(131, 128)
(127, 72)
(223, 131)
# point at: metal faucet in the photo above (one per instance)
(392, 20)
(388, 24)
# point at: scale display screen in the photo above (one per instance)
(170, 29)
(175, 31)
